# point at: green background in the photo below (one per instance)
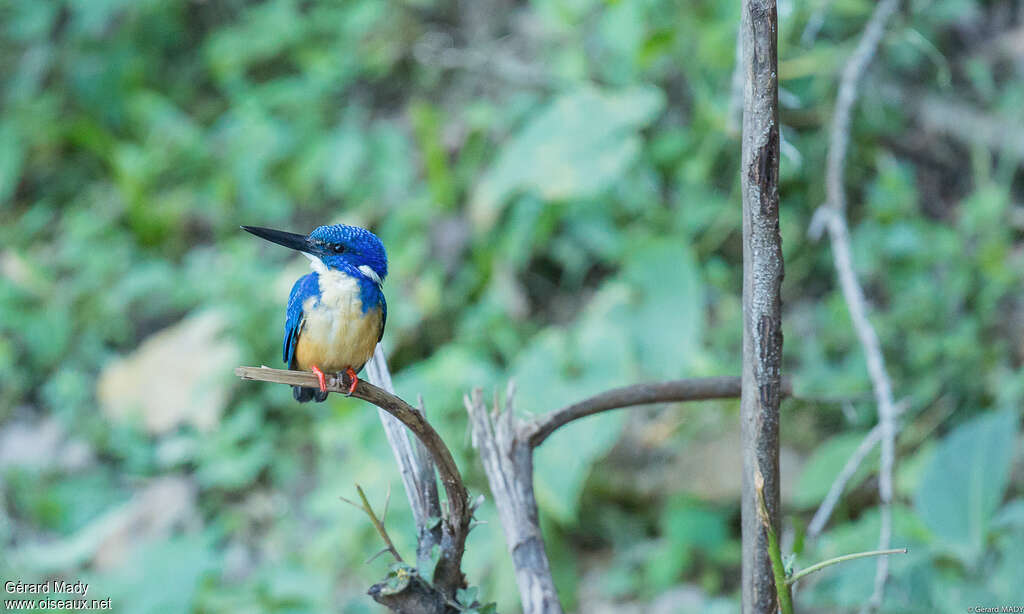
(556, 182)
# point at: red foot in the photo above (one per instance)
(355, 380)
(320, 378)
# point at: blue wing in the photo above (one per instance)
(305, 287)
(383, 316)
(372, 296)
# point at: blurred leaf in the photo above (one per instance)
(687, 527)
(427, 122)
(554, 372)
(665, 317)
(965, 480)
(11, 155)
(163, 577)
(577, 147)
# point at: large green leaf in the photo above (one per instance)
(576, 147)
(965, 480)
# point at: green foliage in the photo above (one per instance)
(576, 147)
(965, 481)
(555, 182)
(689, 529)
(164, 577)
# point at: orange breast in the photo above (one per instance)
(334, 342)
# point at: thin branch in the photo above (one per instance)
(814, 23)
(853, 463)
(839, 484)
(841, 559)
(377, 522)
(694, 389)
(839, 235)
(456, 523)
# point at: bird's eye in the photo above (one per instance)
(338, 248)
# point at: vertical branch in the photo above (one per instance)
(839, 235)
(507, 455)
(414, 464)
(762, 280)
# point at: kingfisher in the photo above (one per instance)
(336, 313)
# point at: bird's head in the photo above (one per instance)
(337, 246)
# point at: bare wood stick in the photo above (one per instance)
(455, 525)
(694, 389)
(507, 457)
(762, 314)
(839, 235)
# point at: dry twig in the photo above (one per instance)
(378, 523)
(834, 212)
(839, 484)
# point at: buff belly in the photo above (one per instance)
(337, 333)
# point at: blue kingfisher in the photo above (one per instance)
(336, 314)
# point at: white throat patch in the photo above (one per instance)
(316, 263)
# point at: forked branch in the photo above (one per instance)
(506, 444)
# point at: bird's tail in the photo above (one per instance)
(304, 395)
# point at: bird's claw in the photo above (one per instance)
(355, 380)
(320, 378)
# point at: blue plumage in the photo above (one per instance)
(307, 286)
(336, 314)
